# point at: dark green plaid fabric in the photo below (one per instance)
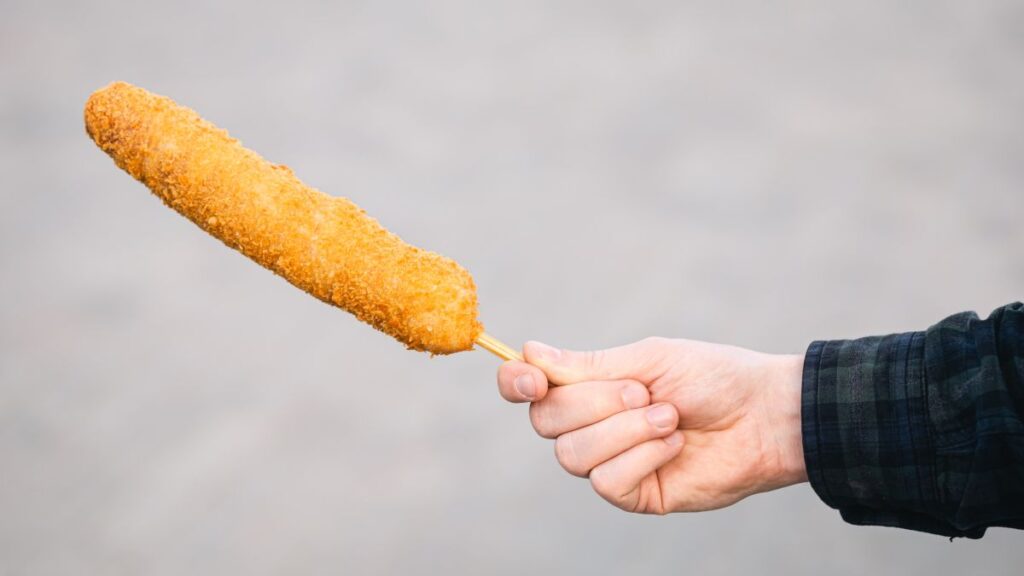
(921, 430)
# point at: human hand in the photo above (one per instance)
(666, 425)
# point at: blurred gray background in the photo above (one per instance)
(756, 173)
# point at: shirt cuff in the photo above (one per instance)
(865, 432)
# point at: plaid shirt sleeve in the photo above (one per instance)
(921, 430)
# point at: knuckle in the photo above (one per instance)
(592, 360)
(652, 350)
(567, 457)
(654, 341)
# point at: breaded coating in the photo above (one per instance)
(325, 245)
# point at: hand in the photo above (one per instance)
(666, 425)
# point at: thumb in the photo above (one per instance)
(637, 361)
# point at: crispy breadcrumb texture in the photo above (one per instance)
(324, 245)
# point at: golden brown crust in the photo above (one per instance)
(325, 245)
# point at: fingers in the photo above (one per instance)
(521, 382)
(581, 450)
(623, 479)
(638, 361)
(567, 408)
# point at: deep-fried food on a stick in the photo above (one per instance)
(325, 245)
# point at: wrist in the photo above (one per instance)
(783, 435)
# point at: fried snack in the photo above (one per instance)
(324, 245)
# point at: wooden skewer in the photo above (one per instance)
(504, 351)
(497, 347)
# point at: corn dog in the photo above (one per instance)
(324, 245)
